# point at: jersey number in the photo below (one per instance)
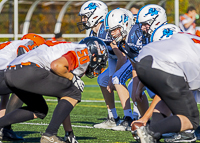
(83, 56)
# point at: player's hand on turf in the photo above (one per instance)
(78, 83)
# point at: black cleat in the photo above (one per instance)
(6, 134)
(182, 137)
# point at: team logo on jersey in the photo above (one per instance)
(152, 12)
(125, 18)
(167, 32)
(91, 6)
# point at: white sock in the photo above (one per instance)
(136, 112)
(128, 112)
(112, 113)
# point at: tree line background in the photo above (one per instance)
(45, 16)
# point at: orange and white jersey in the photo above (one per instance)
(44, 55)
(8, 52)
(179, 56)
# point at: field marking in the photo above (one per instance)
(90, 101)
(82, 100)
(43, 124)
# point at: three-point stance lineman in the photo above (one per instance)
(53, 71)
(170, 68)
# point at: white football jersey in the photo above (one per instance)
(9, 52)
(44, 55)
(179, 56)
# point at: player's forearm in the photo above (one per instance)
(120, 62)
(61, 70)
(149, 112)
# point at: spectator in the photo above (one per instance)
(134, 9)
(187, 21)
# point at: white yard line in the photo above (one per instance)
(82, 100)
(43, 124)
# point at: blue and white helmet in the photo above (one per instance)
(130, 14)
(164, 32)
(152, 14)
(119, 18)
(95, 11)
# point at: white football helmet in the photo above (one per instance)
(152, 14)
(95, 11)
(130, 14)
(164, 32)
(118, 18)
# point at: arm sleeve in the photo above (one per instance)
(72, 60)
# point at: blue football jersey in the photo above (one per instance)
(134, 42)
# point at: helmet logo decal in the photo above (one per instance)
(167, 32)
(152, 11)
(91, 6)
(125, 18)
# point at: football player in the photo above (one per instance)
(122, 21)
(164, 67)
(92, 16)
(33, 75)
(161, 110)
(150, 17)
(129, 44)
(9, 51)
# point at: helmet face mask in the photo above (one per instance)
(117, 34)
(98, 56)
(118, 18)
(95, 11)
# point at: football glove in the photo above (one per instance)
(78, 83)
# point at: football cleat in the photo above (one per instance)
(7, 134)
(125, 125)
(182, 137)
(51, 139)
(108, 124)
(134, 127)
(145, 136)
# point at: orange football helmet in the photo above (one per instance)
(38, 40)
